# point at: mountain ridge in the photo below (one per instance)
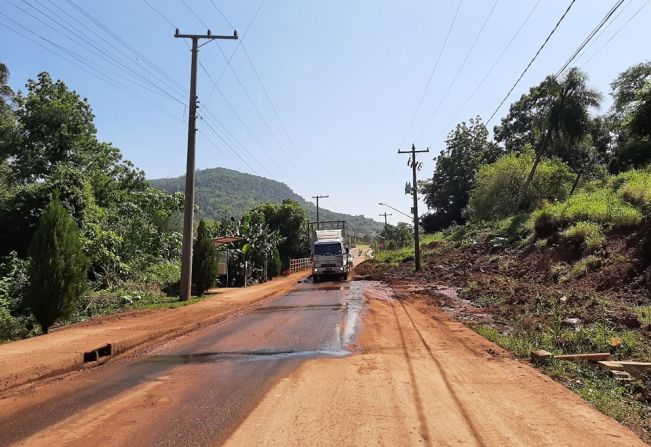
(221, 193)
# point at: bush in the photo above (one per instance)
(601, 206)
(498, 186)
(585, 234)
(275, 266)
(58, 268)
(13, 283)
(633, 186)
(204, 259)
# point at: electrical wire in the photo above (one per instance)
(533, 59)
(82, 63)
(590, 37)
(431, 75)
(492, 67)
(463, 63)
(228, 103)
(297, 152)
(616, 32)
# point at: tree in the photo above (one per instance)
(275, 266)
(289, 220)
(397, 236)
(6, 93)
(57, 272)
(560, 116)
(498, 184)
(467, 148)
(204, 259)
(630, 117)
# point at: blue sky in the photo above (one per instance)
(344, 79)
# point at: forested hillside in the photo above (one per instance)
(223, 193)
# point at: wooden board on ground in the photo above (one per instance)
(636, 369)
(611, 365)
(594, 357)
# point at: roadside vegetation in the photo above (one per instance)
(545, 233)
(82, 233)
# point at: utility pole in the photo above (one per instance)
(385, 221)
(188, 206)
(317, 208)
(415, 166)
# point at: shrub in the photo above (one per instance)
(601, 206)
(204, 259)
(498, 186)
(58, 268)
(633, 186)
(275, 266)
(586, 234)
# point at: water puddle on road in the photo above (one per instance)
(214, 357)
(348, 314)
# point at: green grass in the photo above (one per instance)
(601, 206)
(643, 313)
(590, 263)
(398, 255)
(633, 186)
(519, 346)
(588, 234)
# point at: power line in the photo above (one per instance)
(232, 149)
(84, 43)
(431, 75)
(240, 42)
(305, 172)
(492, 67)
(531, 61)
(166, 79)
(83, 63)
(297, 152)
(125, 44)
(589, 38)
(616, 32)
(605, 28)
(463, 63)
(212, 80)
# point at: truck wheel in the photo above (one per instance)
(315, 279)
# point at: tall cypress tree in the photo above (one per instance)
(58, 267)
(204, 259)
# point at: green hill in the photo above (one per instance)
(222, 193)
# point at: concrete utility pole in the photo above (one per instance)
(385, 221)
(188, 207)
(317, 208)
(415, 166)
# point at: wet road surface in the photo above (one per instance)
(195, 390)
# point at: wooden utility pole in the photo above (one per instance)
(415, 166)
(317, 208)
(188, 206)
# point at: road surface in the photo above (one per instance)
(310, 368)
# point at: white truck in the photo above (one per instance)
(330, 255)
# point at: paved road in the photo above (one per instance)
(195, 390)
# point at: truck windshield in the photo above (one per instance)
(327, 249)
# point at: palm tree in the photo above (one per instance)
(564, 115)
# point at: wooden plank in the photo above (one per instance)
(611, 366)
(636, 369)
(594, 357)
(540, 355)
